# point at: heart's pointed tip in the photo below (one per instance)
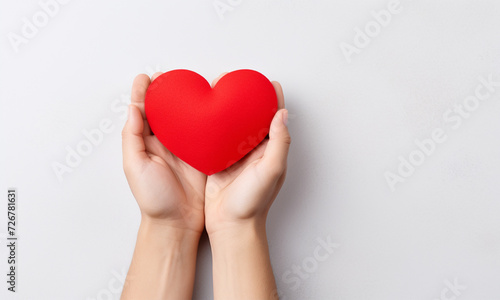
(213, 171)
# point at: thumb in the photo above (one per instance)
(276, 152)
(133, 146)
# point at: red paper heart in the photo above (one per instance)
(210, 129)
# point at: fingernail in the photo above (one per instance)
(285, 117)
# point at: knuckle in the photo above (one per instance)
(287, 139)
(137, 94)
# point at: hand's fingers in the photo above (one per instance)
(279, 94)
(147, 130)
(139, 87)
(133, 147)
(155, 75)
(276, 153)
(214, 82)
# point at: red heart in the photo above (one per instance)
(210, 129)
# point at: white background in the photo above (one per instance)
(349, 123)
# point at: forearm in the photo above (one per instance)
(163, 264)
(241, 264)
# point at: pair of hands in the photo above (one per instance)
(171, 192)
(177, 202)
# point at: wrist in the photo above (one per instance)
(240, 262)
(234, 235)
(163, 254)
(218, 223)
(164, 231)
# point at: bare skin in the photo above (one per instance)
(237, 201)
(177, 202)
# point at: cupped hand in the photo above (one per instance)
(167, 189)
(244, 192)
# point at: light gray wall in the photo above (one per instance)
(351, 118)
